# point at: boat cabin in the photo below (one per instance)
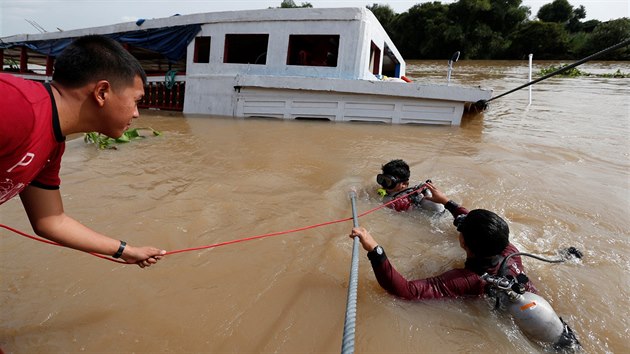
(329, 64)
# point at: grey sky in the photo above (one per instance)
(72, 14)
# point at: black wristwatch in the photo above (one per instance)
(377, 255)
(121, 248)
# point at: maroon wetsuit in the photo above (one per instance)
(453, 283)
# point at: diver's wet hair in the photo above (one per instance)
(93, 58)
(485, 233)
(397, 168)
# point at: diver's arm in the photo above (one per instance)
(455, 209)
(453, 283)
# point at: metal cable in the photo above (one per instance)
(347, 345)
(483, 103)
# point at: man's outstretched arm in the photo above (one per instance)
(45, 211)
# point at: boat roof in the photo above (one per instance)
(264, 15)
(170, 36)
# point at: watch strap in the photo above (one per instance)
(121, 248)
(375, 257)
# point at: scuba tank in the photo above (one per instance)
(531, 312)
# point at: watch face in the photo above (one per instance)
(379, 250)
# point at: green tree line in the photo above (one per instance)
(501, 29)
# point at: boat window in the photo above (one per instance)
(246, 48)
(375, 59)
(391, 65)
(313, 50)
(202, 50)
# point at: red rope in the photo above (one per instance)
(226, 242)
(259, 236)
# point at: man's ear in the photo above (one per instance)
(101, 92)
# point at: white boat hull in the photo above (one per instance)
(335, 100)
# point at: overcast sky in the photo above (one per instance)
(73, 14)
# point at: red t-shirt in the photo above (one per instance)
(31, 143)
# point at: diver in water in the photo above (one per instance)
(395, 183)
(484, 236)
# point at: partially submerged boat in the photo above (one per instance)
(306, 63)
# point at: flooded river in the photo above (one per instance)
(557, 170)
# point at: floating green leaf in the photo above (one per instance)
(105, 142)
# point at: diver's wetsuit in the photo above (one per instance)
(453, 283)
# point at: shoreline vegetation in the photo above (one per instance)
(575, 72)
(498, 30)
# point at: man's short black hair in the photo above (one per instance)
(397, 168)
(485, 233)
(93, 58)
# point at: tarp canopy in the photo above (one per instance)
(170, 41)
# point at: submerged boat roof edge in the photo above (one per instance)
(293, 14)
(375, 87)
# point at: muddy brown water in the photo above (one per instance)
(557, 170)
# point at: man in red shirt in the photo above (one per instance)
(96, 87)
